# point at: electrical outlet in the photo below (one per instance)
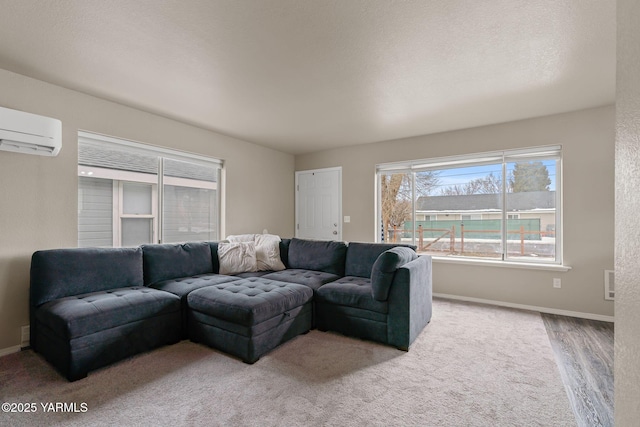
(557, 283)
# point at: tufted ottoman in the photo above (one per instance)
(248, 317)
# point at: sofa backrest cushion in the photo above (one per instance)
(172, 261)
(384, 269)
(361, 256)
(215, 260)
(318, 255)
(284, 251)
(59, 273)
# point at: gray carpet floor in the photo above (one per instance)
(473, 365)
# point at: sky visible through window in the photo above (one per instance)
(462, 175)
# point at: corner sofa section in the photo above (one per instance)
(92, 307)
(384, 296)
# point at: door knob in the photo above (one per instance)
(335, 224)
(335, 232)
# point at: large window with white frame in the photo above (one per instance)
(131, 193)
(503, 205)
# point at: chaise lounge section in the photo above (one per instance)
(92, 307)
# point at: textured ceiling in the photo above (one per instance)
(305, 75)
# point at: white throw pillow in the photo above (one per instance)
(239, 257)
(268, 253)
(235, 238)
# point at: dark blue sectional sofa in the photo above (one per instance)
(90, 307)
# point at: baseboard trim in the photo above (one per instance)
(547, 310)
(10, 350)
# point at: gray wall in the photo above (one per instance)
(38, 195)
(587, 138)
(627, 338)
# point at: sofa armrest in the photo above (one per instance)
(385, 267)
(410, 302)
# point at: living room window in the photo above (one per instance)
(501, 206)
(131, 193)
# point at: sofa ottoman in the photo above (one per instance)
(248, 317)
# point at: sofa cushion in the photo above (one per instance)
(59, 273)
(248, 274)
(249, 301)
(385, 268)
(183, 285)
(85, 314)
(318, 255)
(361, 256)
(351, 291)
(310, 278)
(170, 261)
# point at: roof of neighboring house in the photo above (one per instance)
(106, 157)
(524, 201)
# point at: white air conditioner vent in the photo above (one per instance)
(29, 133)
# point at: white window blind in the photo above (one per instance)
(157, 194)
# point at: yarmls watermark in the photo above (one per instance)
(24, 407)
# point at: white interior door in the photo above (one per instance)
(319, 204)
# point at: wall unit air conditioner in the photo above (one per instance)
(29, 133)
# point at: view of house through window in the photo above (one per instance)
(501, 206)
(130, 194)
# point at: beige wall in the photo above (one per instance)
(587, 138)
(38, 195)
(627, 250)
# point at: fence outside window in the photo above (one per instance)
(500, 205)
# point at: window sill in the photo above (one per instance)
(502, 264)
